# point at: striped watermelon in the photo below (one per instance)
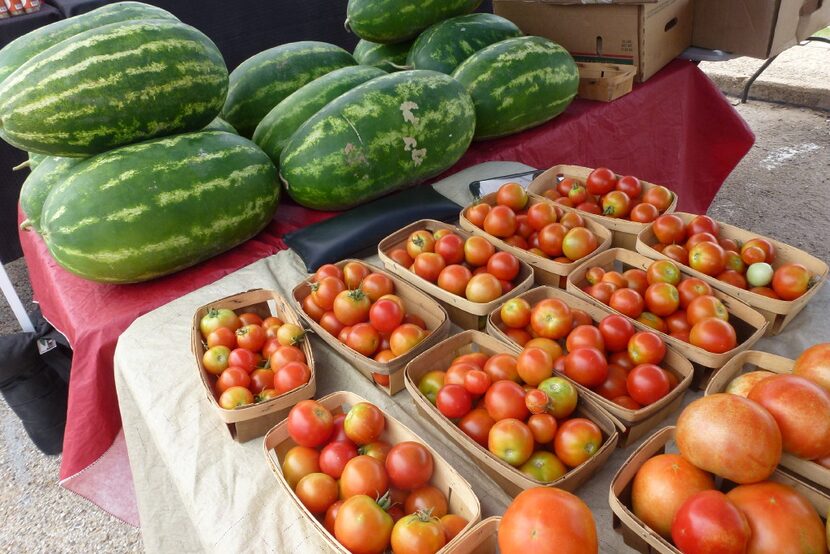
(388, 57)
(518, 83)
(265, 79)
(149, 209)
(273, 132)
(14, 54)
(445, 45)
(392, 132)
(388, 21)
(219, 124)
(49, 172)
(114, 85)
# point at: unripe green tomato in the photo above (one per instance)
(759, 274)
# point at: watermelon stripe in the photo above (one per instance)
(391, 21)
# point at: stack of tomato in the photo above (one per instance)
(361, 309)
(469, 268)
(515, 407)
(540, 228)
(368, 493)
(253, 359)
(746, 266)
(609, 357)
(604, 193)
(741, 439)
(662, 298)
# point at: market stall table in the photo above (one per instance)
(676, 129)
(199, 491)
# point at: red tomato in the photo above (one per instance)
(616, 331)
(483, 288)
(628, 302)
(626, 402)
(677, 253)
(678, 322)
(503, 265)
(260, 380)
(691, 288)
(251, 337)
(415, 320)
(385, 316)
(512, 195)
(428, 266)
(669, 229)
(453, 524)
(581, 317)
(537, 402)
(577, 440)
(419, 242)
(354, 273)
(377, 285)
(616, 204)
(614, 385)
(790, 281)
(615, 278)
(418, 533)
(644, 213)
(506, 399)
(427, 498)
(223, 336)
(232, 377)
(476, 425)
(325, 291)
(709, 522)
(453, 401)
(763, 244)
(401, 257)
(578, 194)
(517, 241)
(377, 450)
(502, 367)
(663, 271)
(334, 457)
(364, 423)
(586, 336)
(708, 258)
(451, 248)
(571, 220)
(814, 364)
(363, 526)
(551, 238)
(646, 347)
(713, 335)
(594, 275)
(601, 181)
(241, 357)
(659, 196)
(284, 355)
(511, 441)
(662, 299)
(351, 307)
(409, 465)
(540, 215)
(405, 338)
(363, 339)
(327, 270)
(586, 366)
(733, 278)
(543, 426)
(500, 222)
(578, 243)
(339, 435)
(647, 383)
(299, 462)
(457, 372)
(477, 381)
(734, 261)
(478, 359)
(250, 318)
(216, 318)
(331, 515)
(477, 251)
(534, 365)
(330, 323)
(515, 313)
(551, 318)
(317, 491)
(636, 279)
(652, 320)
(310, 423)
(622, 359)
(477, 213)
(703, 307)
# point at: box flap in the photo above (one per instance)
(742, 26)
(579, 2)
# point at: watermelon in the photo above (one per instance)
(219, 124)
(274, 131)
(266, 79)
(113, 85)
(518, 83)
(388, 57)
(50, 171)
(389, 21)
(445, 45)
(389, 133)
(15, 53)
(149, 209)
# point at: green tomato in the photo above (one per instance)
(759, 274)
(543, 466)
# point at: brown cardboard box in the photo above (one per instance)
(647, 35)
(757, 28)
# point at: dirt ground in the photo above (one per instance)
(780, 189)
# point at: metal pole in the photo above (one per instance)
(14, 302)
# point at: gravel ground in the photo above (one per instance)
(780, 189)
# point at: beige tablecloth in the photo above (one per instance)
(199, 491)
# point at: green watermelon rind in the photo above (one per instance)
(49, 172)
(390, 21)
(388, 57)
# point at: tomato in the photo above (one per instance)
(708, 258)
(627, 302)
(586, 366)
(630, 185)
(523, 228)
(515, 313)
(483, 288)
(602, 291)
(325, 291)
(364, 423)
(696, 239)
(512, 195)
(363, 339)
(546, 520)
(733, 278)
(577, 440)
(643, 213)
(578, 243)
(453, 401)
(451, 248)
(428, 266)
(260, 380)
(288, 334)
(691, 288)
(551, 318)
(564, 201)
(763, 244)
(511, 441)
(662, 299)
(659, 196)
(241, 357)
(216, 318)
(299, 462)
(647, 383)
(669, 229)
(453, 524)
(614, 385)
(235, 397)
(216, 359)
(678, 322)
(506, 399)
(409, 465)
(677, 253)
(251, 337)
(331, 516)
(713, 335)
(500, 222)
(814, 364)
(626, 402)
(616, 204)
(477, 381)
(742, 384)
(354, 273)
(477, 213)
(401, 257)
(542, 425)
(233, 377)
(636, 279)
(457, 372)
(661, 486)
(503, 265)
(284, 355)
(223, 336)
(317, 492)
(415, 320)
(476, 424)
(663, 271)
(265, 395)
(703, 307)
(616, 331)
(351, 307)
(709, 522)
(517, 241)
(427, 498)
(534, 365)
(652, 320)
(362, 526)
(562, 394)
(733, 261)
(801, 409)
(310, 423)
(594, 275)
(363, 474)
(418, 533)
(377, 285)
(585, 336)
(646, 347)
(385, 316)
(580, 317)
(250, 318)
(540, 215)
(790, 281)
(781, 519)
(334, 456)
(615, 278)
(405, 338)
(477, 251)
(291, 376)
(550, 346)
(544, 467)
(741, 441)
(419, 242)
(578, 194)
(327, 270)
(601, 181)
(622, 359)
(571, 220)
(377, 450)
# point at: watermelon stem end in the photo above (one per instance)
(26, 225)
(401, 67)
(347, 26)
(23, 165)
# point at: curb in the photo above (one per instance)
(773, 91)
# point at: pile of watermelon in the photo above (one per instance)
(148, 157)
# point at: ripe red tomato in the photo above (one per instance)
(223, 336)
(351, 307)
(512, 195)
(734, 261)
(551, 318)
(614, 385)
(327, 270)
(363, 526)
(418, 533)
(500, 222)
(790, 281)
(317, 491)
(652, 320)
(284, 355)
(453, 524)
(733, 278)
(476, 425)
(551, 239)
(363, 339)
(814, 364)
(377, 450)
(334, 457)
(678, 322)
(540, 215)
(534, 365)
(543, 426)
(515, 313)
(477, 213)
(691, 288)
(713, 335)
(669, 229)
(457, 372)
(644, 213)
(616, 204)
(703, 307)
(477, 251)
(702, 224)
(506, 399)
(709, 522)
(601, 181)
(324, 292)
(364, 423)
(628, 302)
(419, 242)
(578, 194)
(354, 273)
(477, 381)
(330, 323)
(630, 185)
(451, 248)
(586, 366)
(511, 441)
(260, 380)
(501, 367)
(331, 515)
(763, 244)
(385, 316)
(677, 253)
(299, 462)
(401, 256)
(310, 423)
(577, 440)
(241, 357)
(696, 239)
(646, 347)
(594, 275)
(232, 377)
(427, 498)
(578, 243)
(312, 309)
(503, 265)
(636, 279)
(537, 403)
(586, 336)
(659, 196)
(708, 258)
(250, 337)
(363, 474)
(405, 338)
(453, 401)
(483, 288)
(377, 285)
(647, 383)
(250, 318)
(616, 331)
(428, 266)
(626, 402)
(615, 278)
(409, 465)
(662, 299)
(663, 271)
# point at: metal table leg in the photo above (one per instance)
(766, 64)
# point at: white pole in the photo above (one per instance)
(14, 302)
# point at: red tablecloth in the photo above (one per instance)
(676, 129)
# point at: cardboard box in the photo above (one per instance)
(757, 28)
(647, 35)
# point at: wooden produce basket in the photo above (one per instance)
(506, 476)
(546, 271)
(778, 312)
(604, 81)
(463, 312)
(634, 423)
(416, 302)
(461, 499)
(751, 360)
(481, 539)
(625, 231)
(642, 538)
(749, 324)
(248, 422)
